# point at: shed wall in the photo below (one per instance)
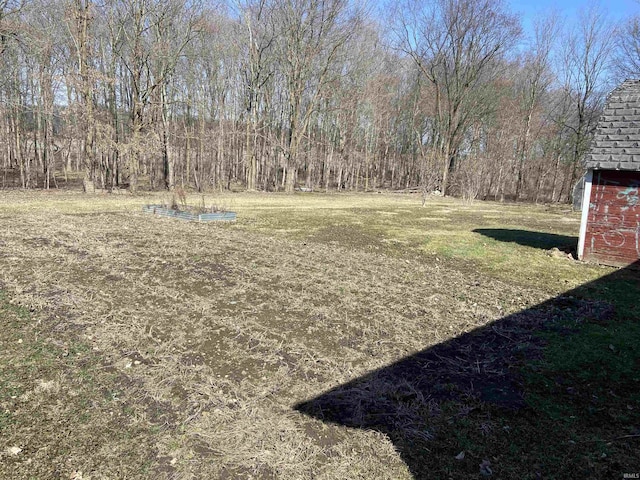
(612, 235)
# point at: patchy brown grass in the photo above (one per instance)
(156, 348)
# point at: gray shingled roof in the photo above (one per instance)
(616, 144)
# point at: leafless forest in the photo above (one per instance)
(271, 95)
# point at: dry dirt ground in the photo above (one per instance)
(142, 347)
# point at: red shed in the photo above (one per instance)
(610, 226)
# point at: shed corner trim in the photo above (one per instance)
(588, 180)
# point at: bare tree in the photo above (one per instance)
(586, 58)
(175, 25)
(536, 79)
(314, 33)
(627, 58)
(456, 45)
(9, 27)
(260, 38)
(80, 13)
(264, 93)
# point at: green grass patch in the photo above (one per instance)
(587, 384)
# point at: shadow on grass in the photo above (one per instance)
(529, 238)
(553, 390)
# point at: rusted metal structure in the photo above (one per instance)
(610, 226)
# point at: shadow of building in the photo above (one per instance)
(528, 238)
(482, 370)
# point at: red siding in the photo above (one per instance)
(613, 224)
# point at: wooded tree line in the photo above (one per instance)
(322, 94)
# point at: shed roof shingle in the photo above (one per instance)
(616, 143)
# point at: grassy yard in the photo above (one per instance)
(319, 336)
